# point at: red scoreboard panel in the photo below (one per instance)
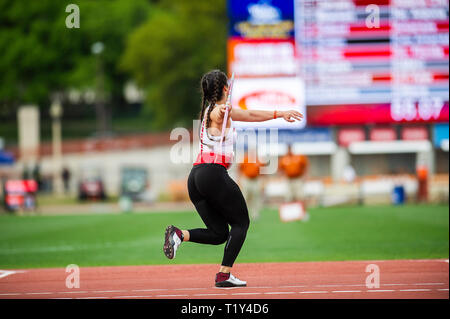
(372, 61)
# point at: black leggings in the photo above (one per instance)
(220, 203)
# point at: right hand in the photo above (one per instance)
(292, 116)
(222, 110)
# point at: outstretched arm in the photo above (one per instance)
(261, 116)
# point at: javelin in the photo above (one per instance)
(227, 107)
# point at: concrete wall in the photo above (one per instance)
(157, 160)
(163, 169)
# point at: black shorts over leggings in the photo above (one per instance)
(220, 203)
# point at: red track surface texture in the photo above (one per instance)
(398, 279)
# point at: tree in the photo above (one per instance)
(41, 56)
(109, 23)
(168, 54)
(34, 43)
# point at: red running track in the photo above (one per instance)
(399, 279)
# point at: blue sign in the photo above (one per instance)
(287, 136)
(305, 135)
(440, 133)
(261, 11)
(259, 19)
(6, 158)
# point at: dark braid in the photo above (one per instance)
(204, 85)
(212, 84)
(213, 100)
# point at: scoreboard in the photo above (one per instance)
(262, 54)
(373, 61)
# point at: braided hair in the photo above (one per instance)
(212, 84)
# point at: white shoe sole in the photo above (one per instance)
(171, 242)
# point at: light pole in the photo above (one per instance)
(56, 112)
(100, 108)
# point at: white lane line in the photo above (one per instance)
(398, 284)
(98, 297)
(362, 285)
(313, 292)
(429, 284)
(280, 293)
(119, 297)
(247, 293)
(172, 295)
(4, 273)
(190, 289)
(230, 288)
(417, 284)
(200, 295)
(343, 285)
(424, 260)
(73, 292)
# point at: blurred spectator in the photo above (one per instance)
(3, 180)
(294, 167)
(66, 179)
(26, 172)
(349, 174)
(422, 178)
(36, 175)
(251, 185)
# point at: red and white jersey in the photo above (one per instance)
(210, 149)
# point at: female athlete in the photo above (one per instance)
(216, 197)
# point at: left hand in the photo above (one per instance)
(291, 116)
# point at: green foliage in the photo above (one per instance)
(32, 41)
(168, 54)
(40, 55)
(108, 22)
(164, 45)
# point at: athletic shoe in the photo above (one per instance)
(173, 240)
(228, 280)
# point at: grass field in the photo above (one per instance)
(340, 233)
